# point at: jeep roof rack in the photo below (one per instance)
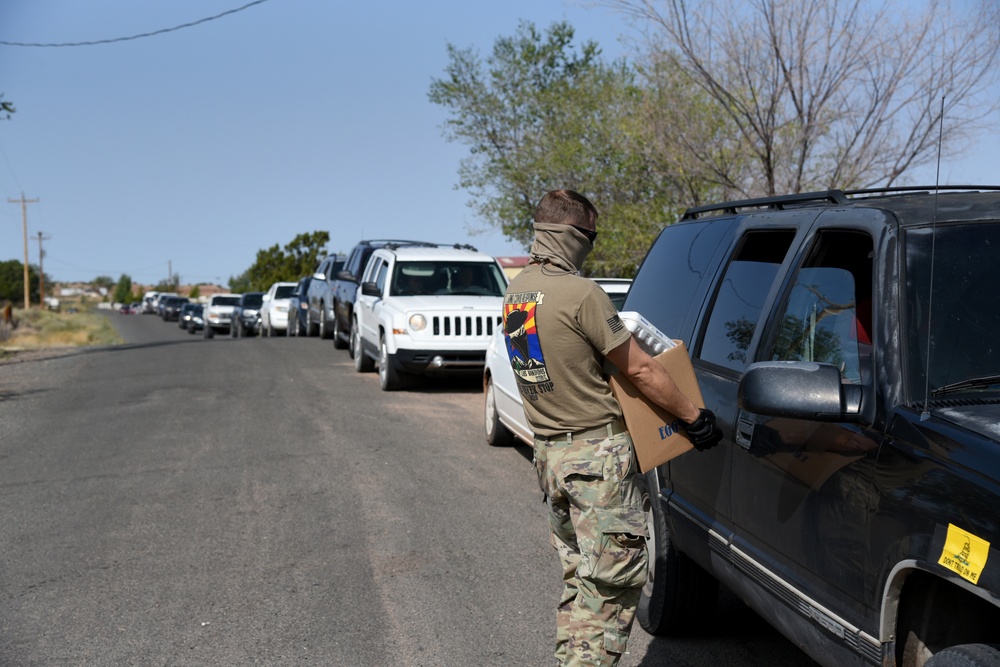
(392, 245)
(830, 197)
(395, 242)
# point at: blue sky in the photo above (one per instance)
(191, 150)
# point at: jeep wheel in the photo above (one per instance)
(338, 337)
(966, 655)
(362, 363)
(678, 595)
(497, 434)
(389, 378)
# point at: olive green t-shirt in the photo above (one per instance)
(558, 327)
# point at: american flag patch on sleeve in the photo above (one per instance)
(616, 324)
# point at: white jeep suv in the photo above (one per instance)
(426, 309)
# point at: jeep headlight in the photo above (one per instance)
(418, 322)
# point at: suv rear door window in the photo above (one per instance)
(741, 296)
(667, 282)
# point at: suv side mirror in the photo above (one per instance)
(345, 275)
(319, 275)
(370, 289)
(799, 390)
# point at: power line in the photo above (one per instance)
(141, 36)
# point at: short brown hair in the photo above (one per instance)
(568, 207)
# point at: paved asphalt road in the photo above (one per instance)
(179, 501)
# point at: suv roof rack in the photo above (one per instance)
(392, 245)
(831, 197)
(779, 202)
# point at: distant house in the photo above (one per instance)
(513, 265)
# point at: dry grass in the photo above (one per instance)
(39, 329)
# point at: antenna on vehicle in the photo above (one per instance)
(925, 415)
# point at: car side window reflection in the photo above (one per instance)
(827, 315)
(741, 295)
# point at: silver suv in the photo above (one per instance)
(426, 310)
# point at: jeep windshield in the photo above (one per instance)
(953, 309)
(445, 277)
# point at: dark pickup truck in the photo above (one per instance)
(849, 344)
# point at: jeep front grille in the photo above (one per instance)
(465, 326)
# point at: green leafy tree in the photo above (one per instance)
(107, 282)
(12, 282)
(123, 290)
(194, 293)
(275, 264)
(540, 114)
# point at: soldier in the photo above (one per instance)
(564, 327)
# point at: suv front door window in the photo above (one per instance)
(804, 486)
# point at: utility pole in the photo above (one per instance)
(24, 217)
(41, 268)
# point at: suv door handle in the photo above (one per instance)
(744, 432)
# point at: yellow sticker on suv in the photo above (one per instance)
(964, 553)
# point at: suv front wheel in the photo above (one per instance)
(362, 363)
(389, 378)
(678, 595)
(338, 338)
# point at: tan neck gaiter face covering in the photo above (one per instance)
(560, 245)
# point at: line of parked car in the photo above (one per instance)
(404, 308)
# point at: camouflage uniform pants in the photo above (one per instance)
(599, 530)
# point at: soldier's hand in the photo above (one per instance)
(703, 432)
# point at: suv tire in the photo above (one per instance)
(311, 327)
(338, 337)
(390, 379)
(209, 332)
(966, 655)
(497, 435)
(678, 595)
(324, 327)
(362, 363)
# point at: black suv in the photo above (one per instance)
(171, 307)
(345, 286)
(246, 315)
(849, 344)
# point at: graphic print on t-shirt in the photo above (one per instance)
(523, 349)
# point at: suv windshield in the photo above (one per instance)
(445, 277)
(253, 300)
(961, 317)
(226, 301)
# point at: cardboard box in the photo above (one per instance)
(658, 436)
